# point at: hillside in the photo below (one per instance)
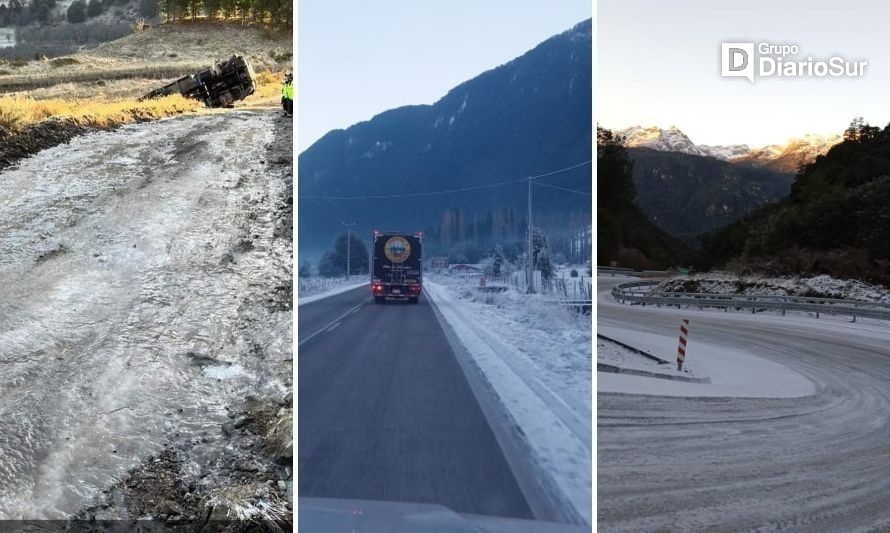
(687, 195)
(129, 66)
(625, 235)
(526, 117)
(836, 220)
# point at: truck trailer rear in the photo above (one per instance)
(396, 268)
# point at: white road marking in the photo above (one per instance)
(332, 328)
(331, 324)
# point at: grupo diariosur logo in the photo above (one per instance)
(783, 60)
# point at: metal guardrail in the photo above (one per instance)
(613, 271)
(640, 292)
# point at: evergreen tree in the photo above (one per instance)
(328, 266)
(42, 12)
(149, 9)
(497, 264)
(541, 255)
(358, 253)
(94, 9)
(76, 12)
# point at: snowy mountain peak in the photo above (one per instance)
(784, 157)
(666, 140)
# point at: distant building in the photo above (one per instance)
(466, 270)
(438, 262)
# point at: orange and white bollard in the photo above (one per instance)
(681, 348)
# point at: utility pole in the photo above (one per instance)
(348, 244)
(531, 266)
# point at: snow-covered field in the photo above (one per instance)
(536, 357)
(823, 286)
(314, 289)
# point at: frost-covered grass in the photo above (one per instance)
(536, 356)
(823, 286)
(254, 502)
(312, 289)
(550, 336)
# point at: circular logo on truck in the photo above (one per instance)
(397, 249)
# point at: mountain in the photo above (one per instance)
(791, 155)
(835, 221)
(783, 158)
(625, 235)
(687, 195)
(529, 116)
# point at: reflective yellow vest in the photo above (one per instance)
(288, 91)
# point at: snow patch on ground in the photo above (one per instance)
(314, 289)
(536, 357)
(225, 372)
(733, 373)
(823, 286)
(613, 354)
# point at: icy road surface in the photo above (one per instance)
(819, 462)
(129, 266)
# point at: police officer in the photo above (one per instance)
(287, 94)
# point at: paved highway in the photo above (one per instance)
(816, 463)
(386, 413)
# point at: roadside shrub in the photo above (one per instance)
(281, 55)
(573, 273)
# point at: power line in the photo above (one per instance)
(563, 189)
(448, 191)
(560, 171)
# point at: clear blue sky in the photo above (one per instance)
(359, 58)
(659, 65)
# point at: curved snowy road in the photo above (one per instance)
(135, 270)
(814, 463)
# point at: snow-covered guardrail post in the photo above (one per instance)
(681, 348)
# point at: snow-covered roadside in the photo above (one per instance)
(822, 286)
(733, 373)
(536, 358)
(615, 355)
(314, 289)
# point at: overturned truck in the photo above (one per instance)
(218, 86)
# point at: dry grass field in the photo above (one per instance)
(151, 56)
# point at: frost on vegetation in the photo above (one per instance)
(821, 286)
(254, 502)
(278, 437)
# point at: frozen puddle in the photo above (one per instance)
(225, 372)
(95, 371)
(733, 373)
